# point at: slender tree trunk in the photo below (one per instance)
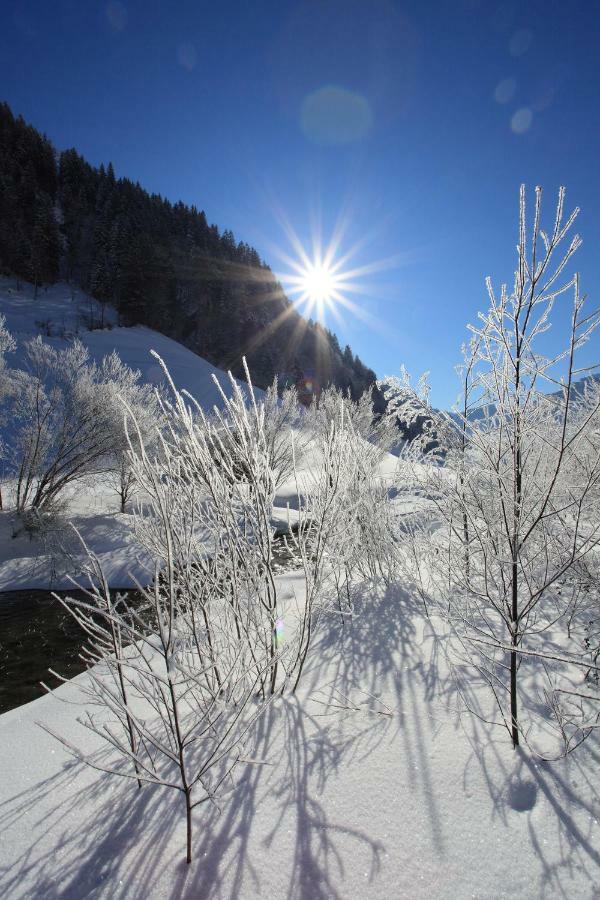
(117, 650)
(188, 810)
(514, 719)
(514, 612)
(182, 768)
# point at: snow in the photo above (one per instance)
(90, 505)
(365, 784)
(189, 371)
(343, 804)
(36, 563)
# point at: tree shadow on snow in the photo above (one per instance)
(130, 838)
(386, 658)
(392, 657)
(292, 781)
(90, 851)
(561, 821)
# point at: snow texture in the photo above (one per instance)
(336, 803)
(365, 784)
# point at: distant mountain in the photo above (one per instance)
(157, 263)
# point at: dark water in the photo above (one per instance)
(36, 633)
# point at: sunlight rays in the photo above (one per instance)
(320, 279)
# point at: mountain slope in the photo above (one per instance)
(58, 316)
(157, 263)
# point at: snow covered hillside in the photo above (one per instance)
(58, 315)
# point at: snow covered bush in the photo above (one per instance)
(181, 677)
(68, 418)
(514, 508)
(7, 345)
(285, 431)
(340, 508)
(127, 392)
(380, 431)
(173, 678)
(367, 548)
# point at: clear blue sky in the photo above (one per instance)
(415, 122)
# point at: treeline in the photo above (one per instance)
(158, 263)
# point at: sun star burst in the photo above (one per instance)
(323, 281)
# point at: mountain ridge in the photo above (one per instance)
(157, 263)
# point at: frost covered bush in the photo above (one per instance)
(7, 345)
(184, 675)
(67, 418)
(364, 546)
(285, 432)
(189, 671)
(379, 431)
(514, 509)
(173, 680)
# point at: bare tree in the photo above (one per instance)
(68, 417)
(517, 496)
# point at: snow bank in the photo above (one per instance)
(391, 799)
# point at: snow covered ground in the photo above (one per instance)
(55, 313)
(396, 799)
(48, 561)
(366, 784)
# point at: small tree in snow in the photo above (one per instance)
(69, 418)
(7, 345)
(128, 393)
(517, 497)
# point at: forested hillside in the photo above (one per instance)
(158, 263)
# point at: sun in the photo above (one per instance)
(318, 283)
(322, 282)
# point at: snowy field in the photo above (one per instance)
(397, 798)
(368, 783)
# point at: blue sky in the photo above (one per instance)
(411, 123)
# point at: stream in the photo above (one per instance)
(36, 633)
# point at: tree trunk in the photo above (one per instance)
(514, 726)
(188, 809)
